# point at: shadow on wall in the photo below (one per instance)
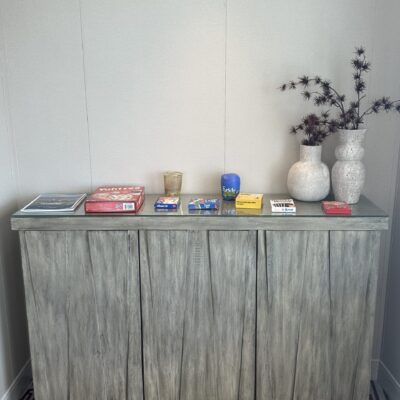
(14, 347)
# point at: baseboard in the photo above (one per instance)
(374, 369)
(20, 383)
(388, 382)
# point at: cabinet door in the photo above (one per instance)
(354, 261)
(293, 312)
(316, 299)
(198, 314)
(83, 305)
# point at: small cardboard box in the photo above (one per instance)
(249, 200)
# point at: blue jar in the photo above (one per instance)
(230, 186)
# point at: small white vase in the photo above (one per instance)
(348, 173)
(308, 179)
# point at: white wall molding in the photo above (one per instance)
(20, 383)
(388, 382)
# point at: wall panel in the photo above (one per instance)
(47, 95)
(155, 85)
(14, 348)
(269, 42)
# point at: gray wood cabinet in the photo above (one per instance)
(83, 304)
(315, 306)
(201, 306)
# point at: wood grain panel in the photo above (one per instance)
(83, 303)
(45, 270)
(353, 273)
(315, 313)
(293, 316)
(198, 298)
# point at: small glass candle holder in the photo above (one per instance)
(172, 183)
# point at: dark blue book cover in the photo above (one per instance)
(171, 203)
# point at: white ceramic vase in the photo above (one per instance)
(308, 179)
(348, 173)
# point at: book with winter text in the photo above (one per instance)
(120, 199)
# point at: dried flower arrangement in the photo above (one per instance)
(315, 128)
(323, 93)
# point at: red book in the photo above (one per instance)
(121, 199)
(336, 208)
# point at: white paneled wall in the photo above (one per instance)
(155, 90)
(14, 350)
(269, 42)
(47, 95)
(382, 145)
(117, 91)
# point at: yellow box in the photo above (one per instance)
(250, 212)
(249, 200)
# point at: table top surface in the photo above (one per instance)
(309, 215)
(365, 208)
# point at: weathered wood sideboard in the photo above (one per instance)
(201, 306)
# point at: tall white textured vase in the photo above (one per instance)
(308, 179)
(348, 173)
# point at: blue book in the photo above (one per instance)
(203, 204)
(169, 203)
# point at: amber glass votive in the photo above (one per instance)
(172, 183)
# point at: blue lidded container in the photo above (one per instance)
(230, 186)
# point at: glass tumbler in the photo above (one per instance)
(172, 183)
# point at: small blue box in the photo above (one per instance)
(203, 204)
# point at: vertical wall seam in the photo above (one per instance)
(225, 79)
(85, 94)
(15, 168)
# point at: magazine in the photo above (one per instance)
(52, 202)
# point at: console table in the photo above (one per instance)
(203, 305)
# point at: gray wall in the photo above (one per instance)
(381, 161)
(390, 356)
(14, 350)
(115, 91)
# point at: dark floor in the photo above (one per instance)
(28, 395)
